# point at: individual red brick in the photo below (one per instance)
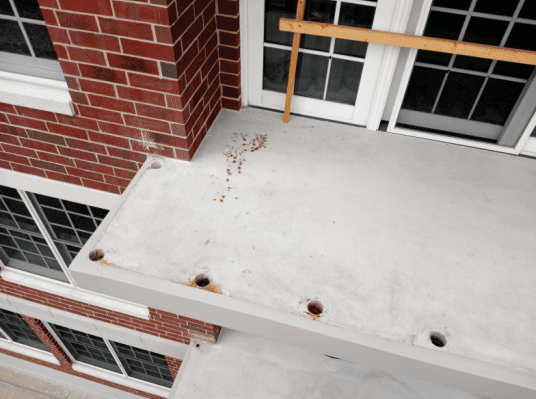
(229, 103)
(67, 131)
(229, 53)
(200, 5)
(152, 83)
(85, 174)
(86, 55)
(229, 39)
(86, 146)
(49, 17)
(48, 166)
(63, 178)
(72, 83)
(230, 80)
(91, 86)
(70, 152)
(77, 21)
(58, 35)
(186, 18)
(49, 3)
(229, 66)
(6, 138)
(99, 7)
(118, 130)
(163, 35)
(150, 97)
(149, 124)
(116, 181)
(38, 145)
(14, 158)
(161, 113)
(232, 92)
(4, 164)
(110, 103)
(61, 52)
(47, 137)
(26, 122)
(145, 13)
(27, 169)
(174, 102)
(195, 66)
(109, 139)
(192, 32)
(100, 114)
(187, 58)
(132, 63)
(95, 167)
(3, 118)
(154, 149)
(160, 52)
(231, 24)
(10, 109)
(187, 94)
(125, 174)
(109, 75)
(79, 97)
(13, 130)
(93, 40)
(69, 68)
(208, 31)
(128, 155)
(178, 130)
(209, 14)
(57, 159)
(228, 7)
(211, 44)
(119, 163)
(163, 139)
(126, 28)
(102, 187)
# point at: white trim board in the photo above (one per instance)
(38, 93)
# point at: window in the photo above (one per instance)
(42, 235)
(116, 357)
(14, 328)
(25, 45)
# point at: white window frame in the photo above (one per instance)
(122, 379)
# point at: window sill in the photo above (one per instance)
(37, 93)
(120, 379)
(74, 293)
(28, 351)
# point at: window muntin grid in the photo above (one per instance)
(144, 365)
(22, 246)
(87, 348)
(69, 223)
(19, 331)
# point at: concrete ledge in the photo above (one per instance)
(29, 351)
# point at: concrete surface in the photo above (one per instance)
(243, 366)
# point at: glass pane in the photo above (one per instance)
(276, 66)
(472, 63)
(522, 37)
(17, 207)
(28, 9)
(514, 70)
(45, 250)
(53, 264)
(423, 89)
(311, 71)
(27, 246)
(12, 40)
(485, 31)
(344, 78)
(7, 240)
(497, 101)
(7, 220)
(48, 201)
(26, 224)
(14, 254)
(40, 41)
(99, 212)
(35, 259)
(57, 217)
(65, 234)
(84, 237)
(459, 95)
(504, 8)
(82, 223)
(5, 8)
(356, 16)
(19, 331)
(318, 11)
(274, 11)
(456, 4)
(10, 192)
(75, 207)
(444, 25)
(529, 10)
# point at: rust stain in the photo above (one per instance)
(314, 316)
(211, 287)
(207, 242)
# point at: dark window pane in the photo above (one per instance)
(522, 37)
(459, 95)
(444, 25)
(17, 207)
(357, 16)
(14, 254)
(75, 207)
(7, 240)
(2, 206)
(7, 220)
(19, 234)
(45, 250)
(35, 259)
(344, 78)
(512, 69)
(84, 237)
(472, 63)
(485, 31)
(53, 264)
(65, 234)
(10, 192)
(27, 246)
(433, 57)
(48, 201)
(311, 71)
(19, 331)
(5, 8)
(318, 11)
(26, 224)
(82, 223)
(28, 9)
(456, 4)
(57, 217)
(497, 101)
(12, 40)
(423, 89)
(500, 7)
(274, 11)
(529, 10)
(40, 41)
(99, 212)
(39, 240)
(276, 66)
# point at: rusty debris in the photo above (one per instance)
(211, 287)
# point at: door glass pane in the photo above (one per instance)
(356, 16)
(311, 72)
(529, 10)
(5, 8)
(40, 41)
(485, 31)
(276, 67)
(455, 4)
(423, 89)
(318, 11)
(28, 9)
(273, 12)
(497, 101)
(459, 94)
(472, 63)
(522, 37)
(512, 69)
(344, 81)
(12, 40)
(497, 7)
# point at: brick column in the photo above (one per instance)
(42, 332)
(229, 50)
(174, 365)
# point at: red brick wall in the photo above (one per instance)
(145, 77)
(174, 366)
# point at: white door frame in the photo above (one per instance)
(376, 77)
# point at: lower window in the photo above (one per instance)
(14, 328)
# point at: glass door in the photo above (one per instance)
(330, 72)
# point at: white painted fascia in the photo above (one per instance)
(38, 93)
(75, 293)
(119, 379)
(28, 351)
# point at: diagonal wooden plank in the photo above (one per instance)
(300, 11)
